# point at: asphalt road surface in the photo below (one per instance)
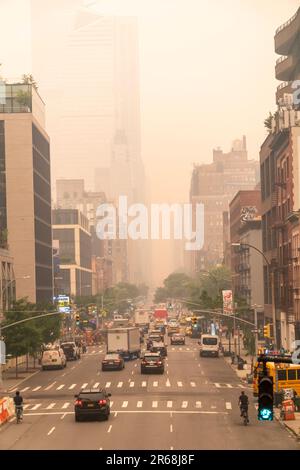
(193, 405)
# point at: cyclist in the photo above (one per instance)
(243, 404)
(18, 401)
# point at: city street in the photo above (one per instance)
(194, 405)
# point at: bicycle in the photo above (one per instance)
(19, 413)
(244, 414)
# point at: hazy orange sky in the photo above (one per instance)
(206, 78)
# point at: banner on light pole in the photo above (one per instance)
(227, 302)
(2, 352)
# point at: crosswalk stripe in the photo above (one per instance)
(96, 385)
(131, 384)
(49, 407)
(155, 384)
(93, 352)
(169, 404)
(36, 388)
(180, 349)
(124, 404)
(35, 407)
(217, 385)
(184, 404)
(111, 404)
(66, 405)
(120, 384)
(193, 384)
(228, 405)
(24, 389)
(179, 384)
(50, 386)
(154, 404)
(187, 349)
(107, 385)
(139, 404)
(241, 385)
(172, 349)
(84, 385)
(198, 404)
(168, 384)
(144, 384)
(229, 386)
(72, 386)
(60, 387)
(26, 406)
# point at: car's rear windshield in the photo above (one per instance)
(151, 358)
(210, 341)
(112, 357)
(91, 396)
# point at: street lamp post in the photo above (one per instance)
(271, 277)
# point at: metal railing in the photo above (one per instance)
(282, 85)
(287, 23)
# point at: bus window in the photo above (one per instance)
(281, 374)
(291, 374)
(298, 374)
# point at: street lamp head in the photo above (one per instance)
(235, 244)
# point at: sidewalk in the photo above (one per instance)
(293, 425)
(9, 379)
(242, 374)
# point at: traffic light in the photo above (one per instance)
(265, 398)
(267, 331)
(77, 319)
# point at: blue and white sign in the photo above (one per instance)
(2, 352)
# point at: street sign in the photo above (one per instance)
(63, 304)
(2, 352)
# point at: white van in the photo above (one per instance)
(209, 345)
(53, 359)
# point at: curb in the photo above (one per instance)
(19, 383)
(282, 423)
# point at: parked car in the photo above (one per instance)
(177, 338)
(53, 359)
(152, 362)
(113, 362)
(92, 403)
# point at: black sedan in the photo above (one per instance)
(92, 403)
(113, 362)
(152, 362)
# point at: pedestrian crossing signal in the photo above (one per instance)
(265, 399)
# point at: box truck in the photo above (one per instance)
(124, 341)
(141, 318)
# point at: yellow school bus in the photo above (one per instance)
(284, 376)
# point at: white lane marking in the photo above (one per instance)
(135, 365)
(116, 414)
(132, 373)
(154, 404)
(51, 431)
(36, 388)
(124, 404)
(229, 386)
(60, 387)
(93, 352)
(50, 386)
(84, 385)
(109, 429)
(63, 416)
(35, 407)
(107, 385)
(144, 384)
(213, 407)
(187, 349)
(64, 374)
(171, 448)
(66, 405)
(73, 367)
(217, 385)
(171, 427)
(169, 404)
(168, 384)
(111, 404)
(198, 404)
(29, 413)
(72, 386)
(193, 384)
(173, 349)
(49, 407)
(139, 404)
(155, 384)
(96, 385)
(25, 406)
(167, 372)
(228, 405)
(184, 404)
(241, 385)
(24, 389)
(180, 349)
(100, 448)
(120, 384)
(179, 384)
(131, 384)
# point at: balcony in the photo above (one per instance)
(286, 34)
(285, 68)
(282, 91)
